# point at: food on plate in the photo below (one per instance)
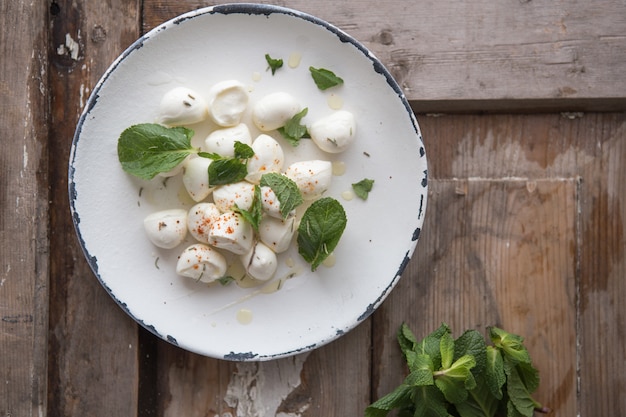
(277, 233)
(335, 132)
(195, 178)
(167, 228)
(182, 106)
(230, 231)
(239, 194)
(274, 110)
(222, 141)
(268, 157)
(311, 177)
(202, 263)
(199, 220)
(227, 100)
(260, 262)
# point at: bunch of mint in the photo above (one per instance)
(463, 377)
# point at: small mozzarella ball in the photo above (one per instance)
(196, 178)
(334, 133)
(232, 232)
(277, 233)
(222, 141)
(181, 106)
(239, 193)
(260, 262)
(199, 219)
(274, 110)
(166, 229)
(202, 263)
(227, 102)
(312, 177)
(268, 157)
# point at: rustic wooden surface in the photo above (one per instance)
(525, 223)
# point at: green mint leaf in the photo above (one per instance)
(320, 229)
(362, 188)
(324, 78)
(225, 280)
(517, 391)
(211, 155)
(446, 347)
(429, 402)
(294, 130)
(529, 375)
(226, 171)
(286, 191)
(243, 151)
(479, 403)
(471, 343)
(398, 398)
(406, 339)
(147, 149)
(511, 411)
(512, 345)
(494, 371)
(455, 381)
(430, 345)
(421, 367)
(274, 64)
(254, 215)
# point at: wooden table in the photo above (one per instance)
(521, 104)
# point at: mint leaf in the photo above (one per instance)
(479, 403)
(421, 367)
(225, 280)
(286, 191)
(320, 229)
(446, 347)
(398, 398)
(517, 391)
(494, 372)
(254, 215)
(511, 345)
(147, 149)
(362, 188)
(227, 171)
(293, 130)
(430, 345)
(429, 402)
(406, 339)
(324, 78)
(471, 343)
(457, 379)
(243, 151)
(273, 63)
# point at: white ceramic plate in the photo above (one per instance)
(196, 50)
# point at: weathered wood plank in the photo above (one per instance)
(481, 55)
(23, 209)
(332, 380)
(93, 345)
(602, 272)
(508, 259)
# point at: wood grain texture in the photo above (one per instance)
(23, 209)
(92, 343)
(480, 55)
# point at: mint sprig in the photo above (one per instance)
(225, 170)
(273, 63)
(363, 188)
(320, 229)
(463, 377)
(285, 189)
(255, 213)
(147, 149)
(294, 130)
(325, 79)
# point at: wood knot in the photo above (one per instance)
(384, 37)
(98, 34)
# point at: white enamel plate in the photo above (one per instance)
(226, 42)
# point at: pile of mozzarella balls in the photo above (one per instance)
(212, 222)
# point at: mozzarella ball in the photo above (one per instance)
(166, 229)
(334, 133)
(268, 157)
(274, 110)
(222, 141)
(312, 177)
(239, 193)
(270, 203)
(260, 262)
(227, 101)
(277, 233)
(232, 232)
(196, 178)
(202, 263)
(181, 106)
(199, 219)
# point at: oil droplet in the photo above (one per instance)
(244, 316)
(330, 261)
(294, 59)
(256, 76)
(347, 195)
(290, 262)
(339, 168)
(334, 101)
